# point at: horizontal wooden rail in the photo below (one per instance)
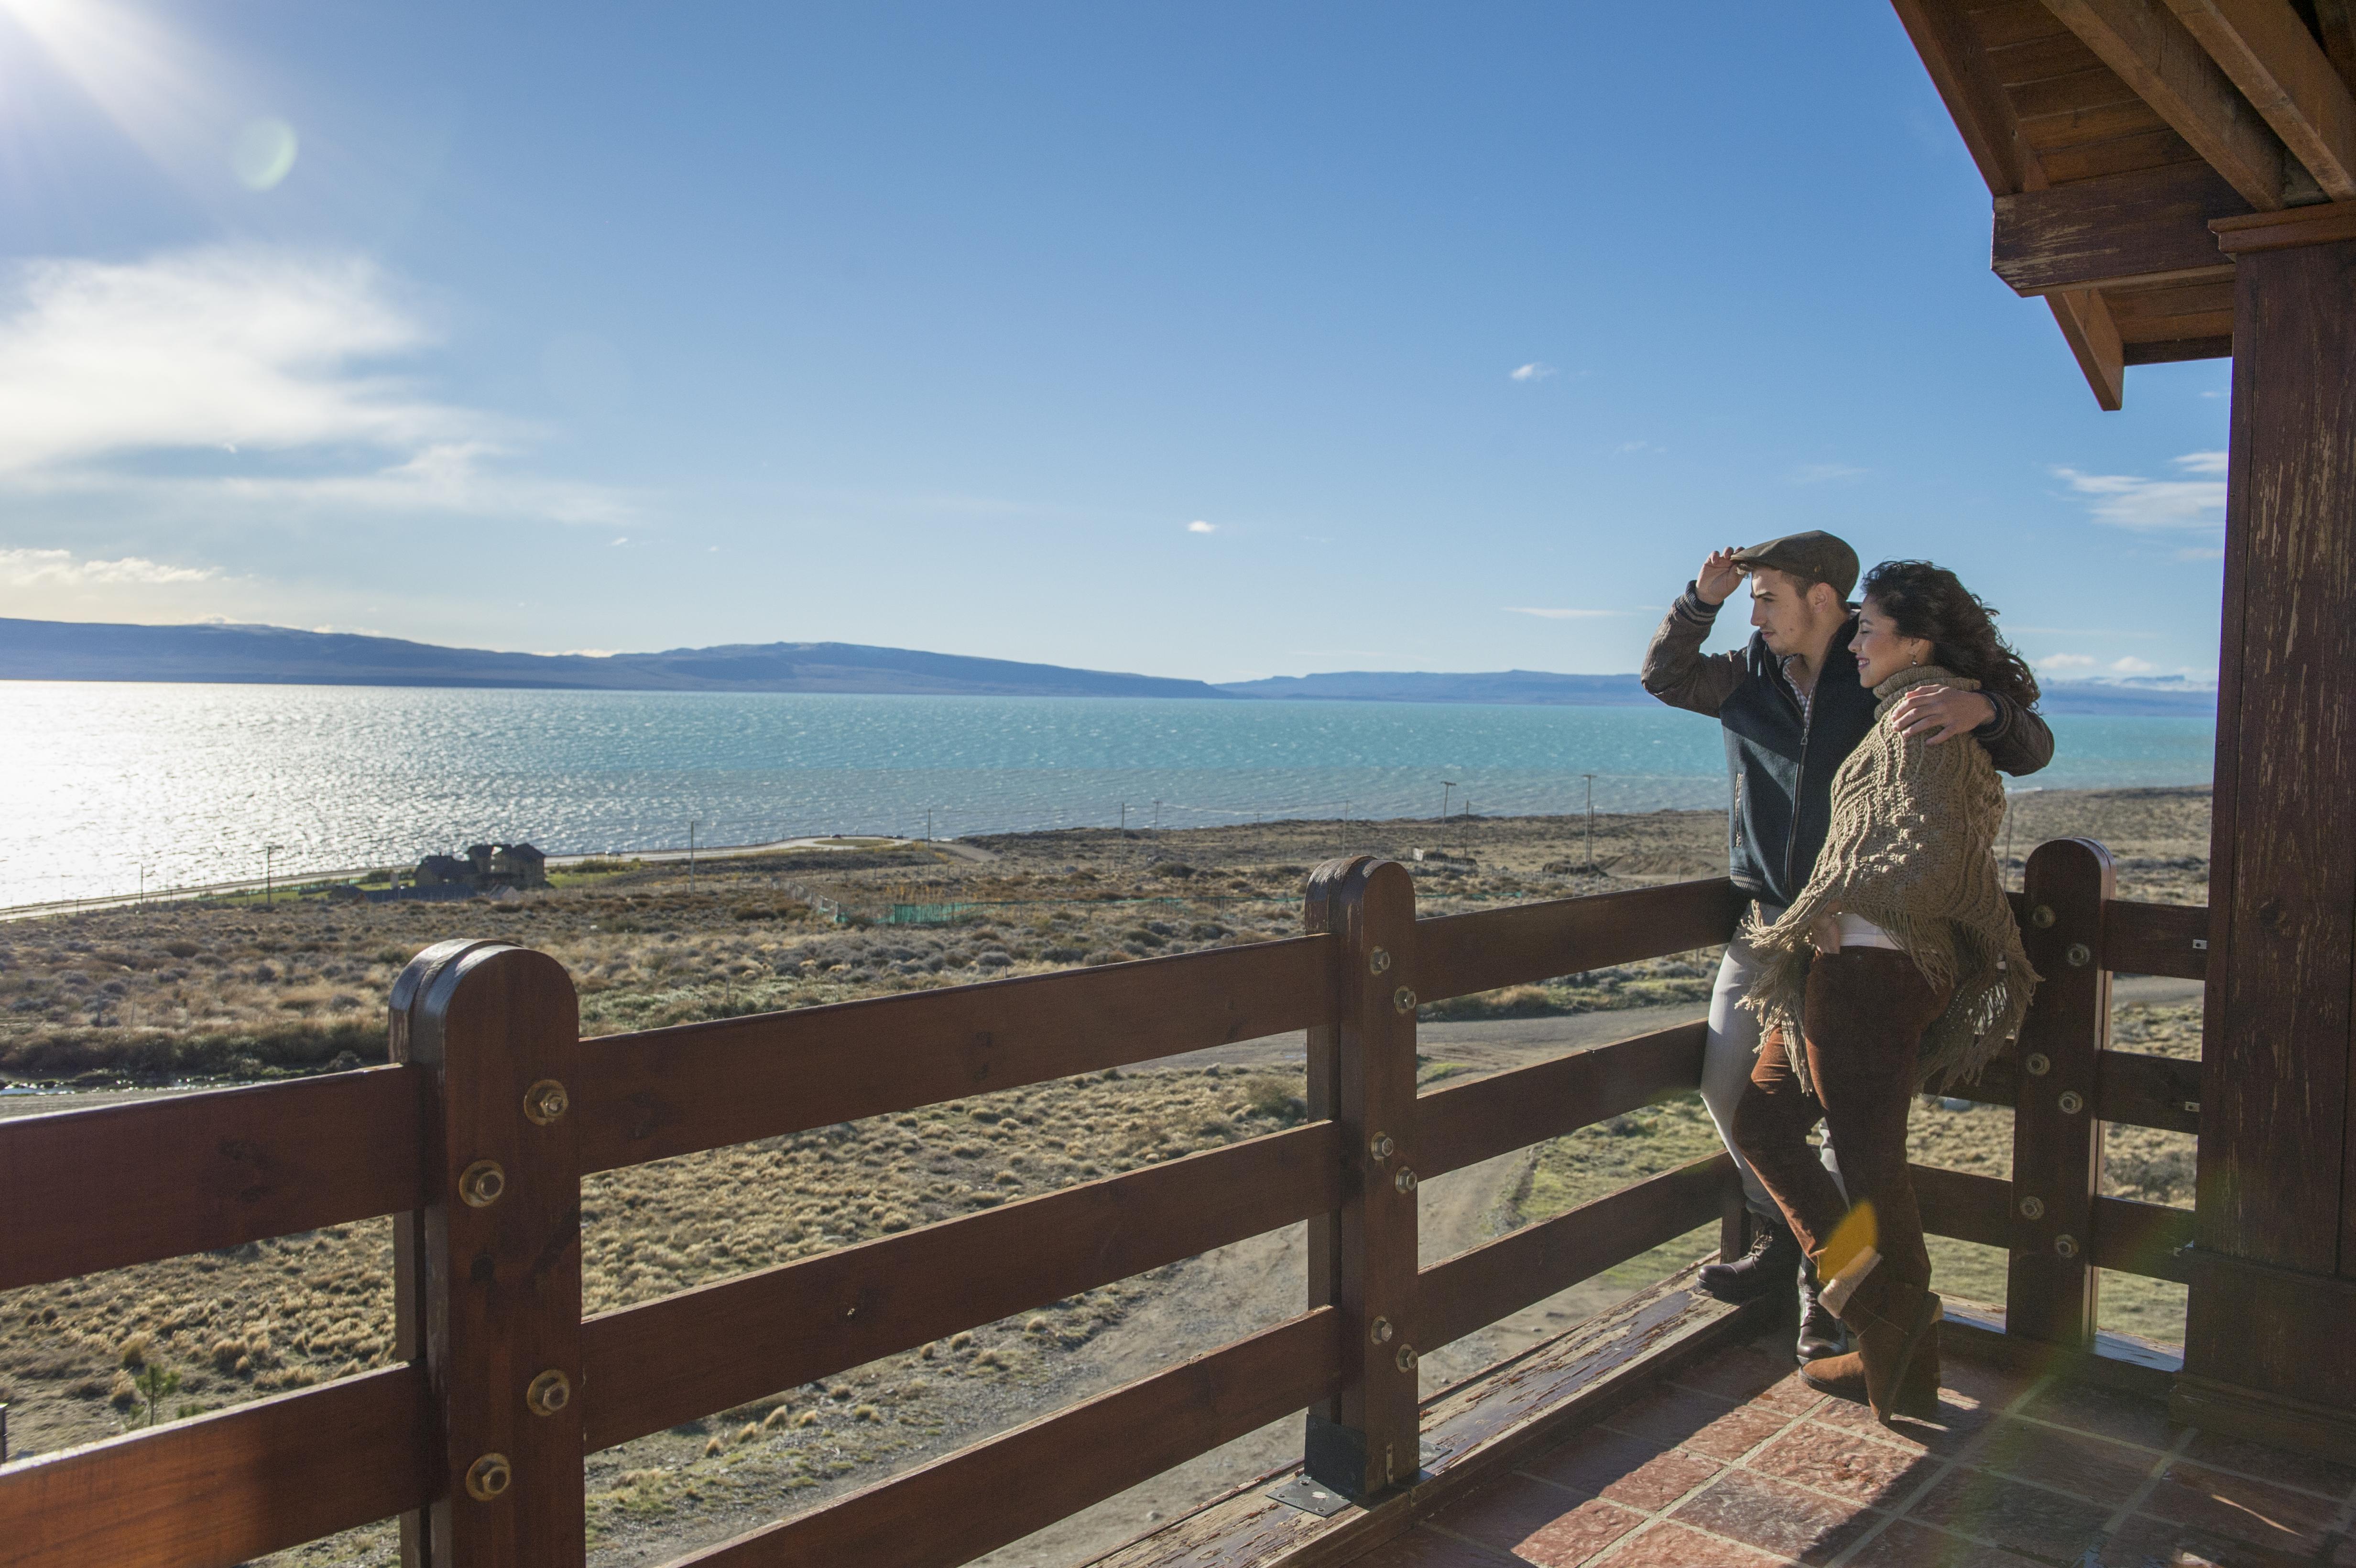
(2138, 1090)
(2130, 1236)
(957, 1508)
(1497, 1279)
(1459, 954)
(2156, 939)
(222, 1488)
(1462, 1123)
(669, 1092)
(652, 1366)
(116, 1184)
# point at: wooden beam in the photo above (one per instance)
(2277, 1157)
(650, 1366)
(2337, 20)
(1974, 100)
(1460, 954)
(2147, 227)
(2086, 325)
(2159, 57)
(2284, 72)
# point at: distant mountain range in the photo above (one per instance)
(75, 650)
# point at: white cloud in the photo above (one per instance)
(2130, 665)
(1200, 527)
(1825, 473)
(2196, 502)
(1633, 448)
(1562, 615)
(2060, 662)
(1535, 370)
(272, 357)
(61, 568)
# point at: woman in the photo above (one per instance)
(1899, 961)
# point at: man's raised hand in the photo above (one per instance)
(1718, 576)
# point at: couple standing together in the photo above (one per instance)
(1879, 953)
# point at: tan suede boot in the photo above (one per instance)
(1895, 1368)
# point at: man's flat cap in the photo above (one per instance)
(1813, 557)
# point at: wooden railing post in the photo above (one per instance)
(2057, 1139)
(488, 1273)
(1361, 1257)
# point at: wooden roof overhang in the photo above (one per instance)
(2113, 134)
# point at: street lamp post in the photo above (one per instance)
(267, 851)
(1590, 819)
(690, 855)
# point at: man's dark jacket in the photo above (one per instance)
(1782, 756)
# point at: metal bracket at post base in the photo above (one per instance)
(1333, 1471)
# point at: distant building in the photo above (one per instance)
(486, 868)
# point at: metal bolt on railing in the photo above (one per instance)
(2032, 1208)
(1381, 1146)
(1378, 961)
(481, 1183)
(1404, 1181)
(1403, 999)
(546, 1101)
(489, 1477)
(550, 1392)
(1379, 1330)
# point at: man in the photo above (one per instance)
(1793, 710)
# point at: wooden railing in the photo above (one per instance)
(477, 1134)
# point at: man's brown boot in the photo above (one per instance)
(1895, 1368)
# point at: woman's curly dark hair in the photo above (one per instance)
(1930, 602)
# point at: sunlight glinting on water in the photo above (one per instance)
(111, 787)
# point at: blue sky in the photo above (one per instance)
(1201, 341)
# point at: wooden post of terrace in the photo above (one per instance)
(1361, 1256)
(2177, 180)
(2274, 1289)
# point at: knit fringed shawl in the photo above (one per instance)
(1910, 847)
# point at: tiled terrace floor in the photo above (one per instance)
(1736, 1462)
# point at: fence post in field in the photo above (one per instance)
(1361, 1257)
(2057, 1141)
(488, 1273)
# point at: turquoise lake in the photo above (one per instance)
(106, 784)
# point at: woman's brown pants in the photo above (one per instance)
(1865, 1013)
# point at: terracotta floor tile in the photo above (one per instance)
(2105, 1412)
(1539, 1523)
(1906, 1544)
(2094, 1467)
(1740, 1373)
(1579, 1535)
(2240, 1509)
(2302, 1470)
(2144, 1542)
(1980, 1388)
(1668, 1546)
(1624, 1469)
(2018, 1518)
(1427, 1549)
(1959, 1422)
(1679, 1418)
(1792, 1393)
(1849, 1463)
(1776, 1518)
